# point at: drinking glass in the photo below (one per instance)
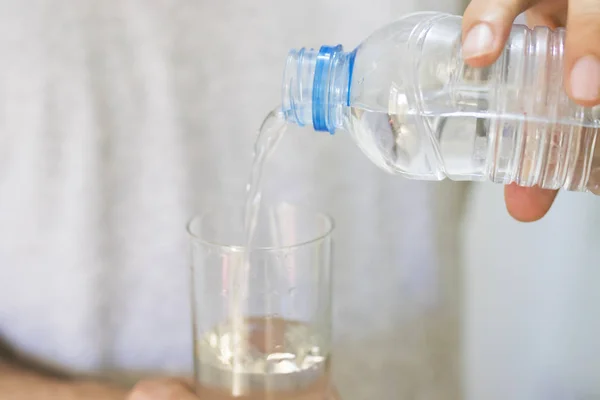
(262, 314)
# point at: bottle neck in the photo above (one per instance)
(316, 87)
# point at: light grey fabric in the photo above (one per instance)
(536, 285)
(120, 119)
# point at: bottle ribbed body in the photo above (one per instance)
(539, 136)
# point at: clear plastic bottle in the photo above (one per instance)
(416, 109)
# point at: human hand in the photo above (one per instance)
(172, 389)
(162, 389)
(486, 26)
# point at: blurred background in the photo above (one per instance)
(150, 110)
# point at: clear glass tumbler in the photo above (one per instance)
(264, 334)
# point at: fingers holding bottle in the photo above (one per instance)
(486, 26)
(582, 52)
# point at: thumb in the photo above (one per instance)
(582, 52)
(485, 28)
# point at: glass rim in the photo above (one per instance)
(239, 248)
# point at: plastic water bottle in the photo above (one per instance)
(416, 109)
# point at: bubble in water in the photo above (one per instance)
(298, 352)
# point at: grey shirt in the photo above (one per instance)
(120, 120)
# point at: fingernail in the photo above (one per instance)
(585, 78)
(478, 41)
